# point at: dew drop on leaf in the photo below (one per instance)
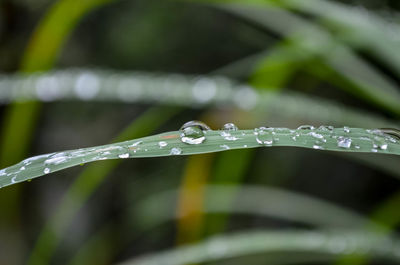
(136, 143)
(162, 144)
(192, 132)
(391, 132)
(325, 128)
(316, 135)
(46, 170)
(264, 136)
(229, 127)
(175, 151)
(227, 136)
(380, 142)
(126, 155)
(344, 142)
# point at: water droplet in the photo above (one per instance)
(227, 136)
(46, 170)
(136, 144)
(126, 155)
(325, 128)
(305, 127)
(225, 146)
(344, 142)
(318, 147)
(380, 142)
(162, 144)
(316, 135)
(264, 136)
(55, 160)
(22, 168)
(245, 145)
(374, 150)
(230, 127)
(192, 132)
(391, 132)
(175, 151)
(346, 129)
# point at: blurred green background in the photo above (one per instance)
(341, 52)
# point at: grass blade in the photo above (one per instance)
(154, 210)
(182, 90)
(339, 139)
(254, 242)
(357, 27)
(313, 41)
(149, 212)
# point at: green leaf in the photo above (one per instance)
(334, 243)
(311, 40)
(183, 90)
(154, 210)
(169, 143)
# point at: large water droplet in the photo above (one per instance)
(346, 129)
(46, 170)
(343, 142)
(264, 136)
(175, 151)
(192, 132)
(229, 127)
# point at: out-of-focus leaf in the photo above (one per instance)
(248, 243)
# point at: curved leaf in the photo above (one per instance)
(254, 242)
(169, 143)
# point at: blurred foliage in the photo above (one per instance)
(323, 70)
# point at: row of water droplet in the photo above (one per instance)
(195, 133)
